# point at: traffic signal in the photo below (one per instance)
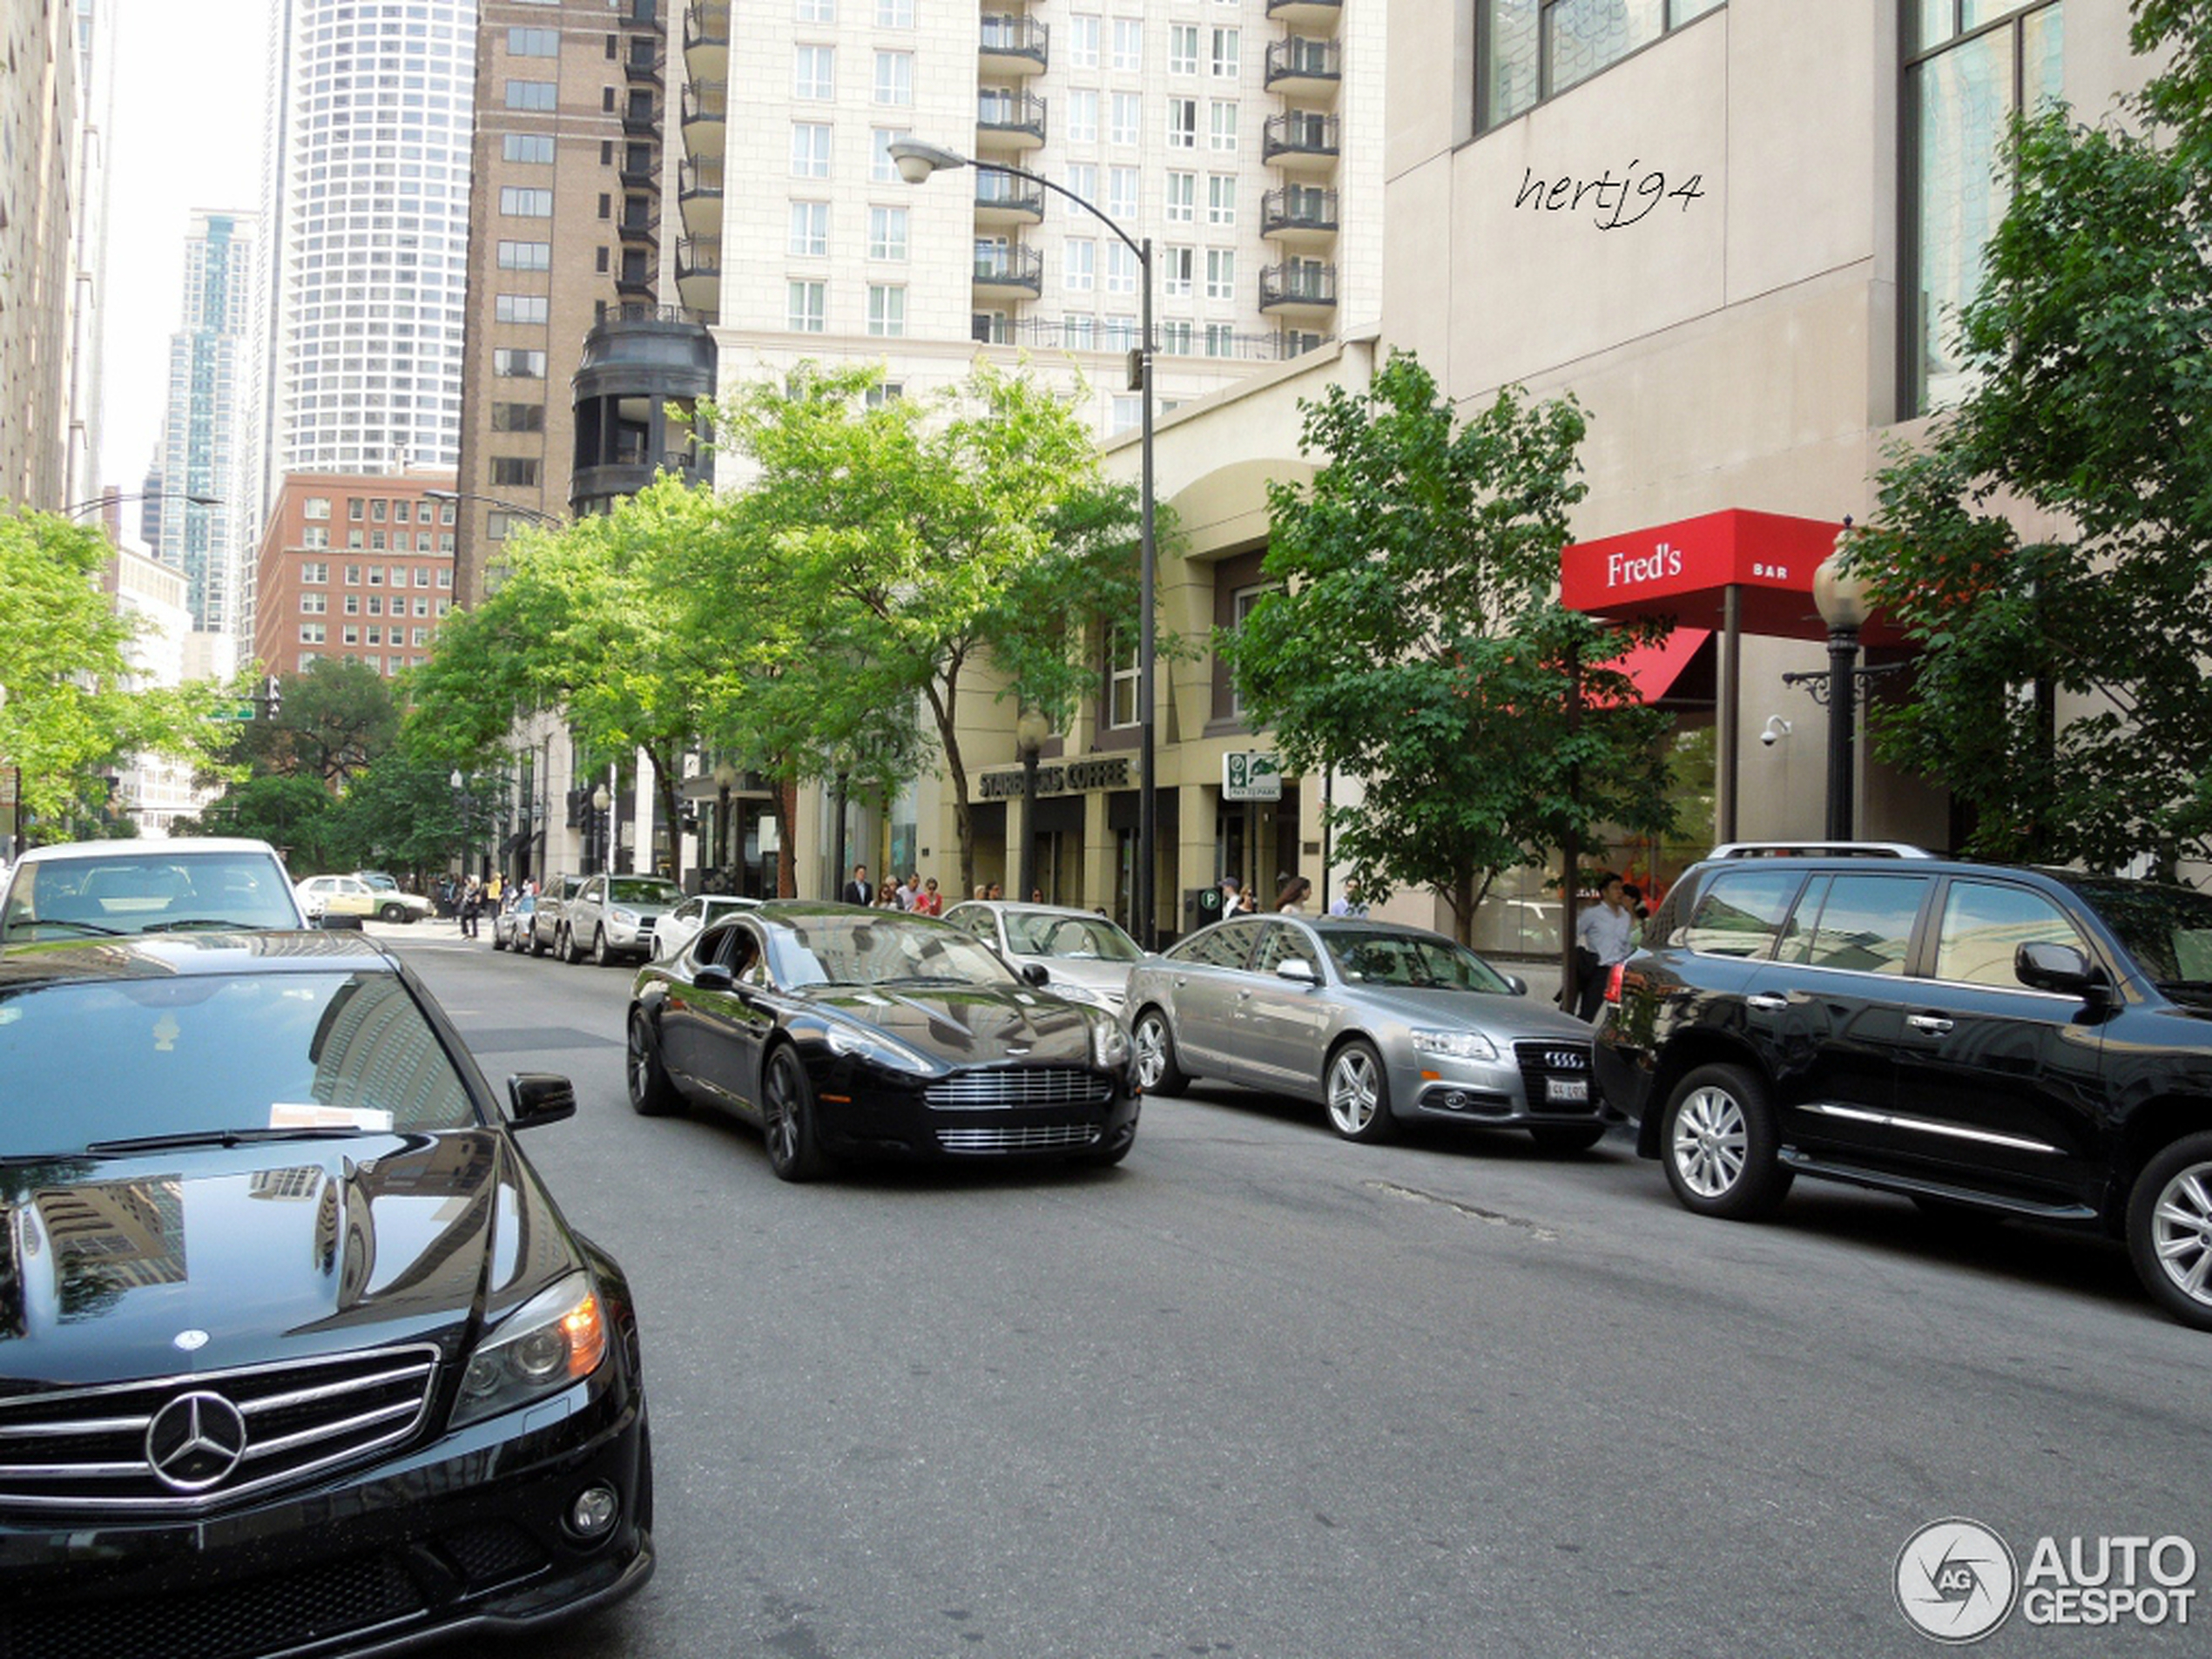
(272, 696)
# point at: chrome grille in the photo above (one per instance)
(1019, 1086)
(1036, 1137)
(1541, 1062)
(89, 1447)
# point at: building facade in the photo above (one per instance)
(358, 566)
(365, 222)
(193, 525)
(154, 791)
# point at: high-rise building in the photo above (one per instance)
(1242, 138)
(199, 530)
(365, 233)
(355, 565)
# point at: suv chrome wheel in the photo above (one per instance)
(2169, 1230)
(1719, 1145)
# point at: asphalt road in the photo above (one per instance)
(1259, 1392)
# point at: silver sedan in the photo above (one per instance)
(1383, 1025)
(1087, 957)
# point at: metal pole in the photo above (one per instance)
(1843, 714)
(1028, 824)
(1148, 826)
(1724, 739)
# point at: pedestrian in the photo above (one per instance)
(1603, 937)
(933, 902)
(1036, 895)
(1348, 903)
(1233, 902)
(1632, 896)
(1289, 898)
(472, 897)
(998, 890)
(495, 889)
(857, 891)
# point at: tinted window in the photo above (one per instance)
(1985, 922)
(882, 947)
(1282, 943)
(201, 1053)
(642, 890)
(1864, 924)
(1425, 960)
(2167, 929)
(1740, 913)
(1225, 945)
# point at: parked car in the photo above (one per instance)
(546, 931)
(302, 1356)
(99, 889)
(1384, 1025)
(1980, 1038)
(844, 1032)
(336, 895)
(510, 926)
(678, 928)
(613, 915)
(393, 902)
(1087, 956)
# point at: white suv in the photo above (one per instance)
(98, 889)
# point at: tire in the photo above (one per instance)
(1579, 1138)
(391, 913)
(538, 945)
(2169, 1230)
(788, 1120)
(1156, 1068)
(1358, 1093)
(564, 947)
(599, 957)
(652, 1095)
(1719, 1144)
(497, 942)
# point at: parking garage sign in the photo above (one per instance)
(1251, 774)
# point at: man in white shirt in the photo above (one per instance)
(1604, 934)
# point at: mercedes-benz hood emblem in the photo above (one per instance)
(195, 1441)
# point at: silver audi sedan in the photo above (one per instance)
(1384, 1025)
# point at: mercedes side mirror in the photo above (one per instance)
(534, 1098)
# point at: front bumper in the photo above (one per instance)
(863, 1112)
(1513, 1090)
(466, 1533)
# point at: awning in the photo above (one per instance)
(1656, 668)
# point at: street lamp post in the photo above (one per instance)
(552, 521)
(1841, 597)
(1030, 734)
(915, 163)
(121, 498)
(602, 825)
(725, 779)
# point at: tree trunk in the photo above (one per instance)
(941, 706)
(664, 780)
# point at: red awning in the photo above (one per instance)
(1656, 668)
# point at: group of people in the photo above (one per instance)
(468, 898)
(1605, 935)
(1289, 899)
(910, 894)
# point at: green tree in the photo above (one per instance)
(2090, 417)
(333, 720)
(1415, 643)
(929, 539)
(73, 712)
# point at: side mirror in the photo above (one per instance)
(713, 977)
(331, 924)
(1037, 973)
(534, 1098)
(1296, 969)
(1516, 986)
(2066, 970)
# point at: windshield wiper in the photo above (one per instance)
(927, 979)
(22, 927)
(220, 1137)
(214, 924)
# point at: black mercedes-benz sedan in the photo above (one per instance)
(852, 1033)
(297, 1354)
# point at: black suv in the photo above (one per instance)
(2018, 1042)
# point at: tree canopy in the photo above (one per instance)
(1415, 642)
(2060, 687)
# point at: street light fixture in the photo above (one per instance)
(1030, 734)
(604, 822)
(725, 779)
(118, 498)
(1840, 596)
(552, 521)
(916, 162)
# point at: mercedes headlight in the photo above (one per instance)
(1109, 1042)
(855, 1043)
(1459, 1045)
(558, 1338)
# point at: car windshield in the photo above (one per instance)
(882, 948)
(145, 892)
(643, 889)
(92, 1064)
(1039, 933)
(1378, 958)
(2167, 929)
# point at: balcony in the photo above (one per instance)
(1003, 200)
(1298, 214)
(1298, 285)
(645, 178)
(706, 39)
(706, 113)
(1300, 142)
(698, 196)
(641, 67)
(642, 14)
(641, 117)
(1304, 67)
(639, 226)
(698, 274)
(1009, 120)
(1009, 273)
(1013, 45)
(1307, 14)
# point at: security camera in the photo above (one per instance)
(1768, 738)
(1777, 729)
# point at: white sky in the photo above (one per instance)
(189, 91)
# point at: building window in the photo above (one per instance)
(315, 507)
(1527, 50)
(817, 10)
(315, 573)
(1221, 198)
(1128, 45)
(1226, 55)
(1960, 94)
(1221, 274)
(519, 308)
(1082, 179)
(894, 14)
(532, 147)
(887, 311)
(1177, 265)
(886, 233)
(533, 95)
(315, 536)
(353, 576)
(813, 74)
(518, 417)
(810, 150)
(806, 307)
(512, 363)
(512, 471)
(1183, 48)
(1221, 130)
(1182, 198)
(894, 79)
(1083, 117)
(1079, 263)
(378, 508)
(1082, 42)
(1128, 118)
(810, 230)
(1122, 669)
(1182, 124)
(533, 43)
(1121, 268)
(313, 633)
(518, 203)
(1121, 192)
(526, 256)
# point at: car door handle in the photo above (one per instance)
(1934, 1024)
(1767, 1003)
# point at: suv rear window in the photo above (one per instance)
(1740, 914)
(1862, 924)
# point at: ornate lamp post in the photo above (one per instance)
(603, 827)
(1030, 734)
(1841, 597)
(725, 779)
(915, 163)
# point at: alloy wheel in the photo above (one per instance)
(1709, 1142)
(2182, 1232)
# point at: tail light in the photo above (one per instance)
(1614, 977)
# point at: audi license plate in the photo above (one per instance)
(1568, 1091)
